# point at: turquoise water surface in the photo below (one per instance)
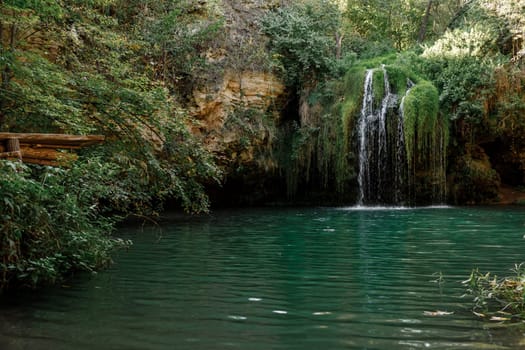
(308, 278)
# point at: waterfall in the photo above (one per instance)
(388, 174)
(384, 137)
(381, 172)
(363, 177)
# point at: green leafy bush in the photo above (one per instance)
(459, 43)
(301, 38)
(48, 227)
(95, 80)
(99, 85)
(464, 84)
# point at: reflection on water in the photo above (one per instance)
(344, 278)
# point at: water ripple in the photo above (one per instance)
(284, 279)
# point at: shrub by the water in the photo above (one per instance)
(498, 299)
(48, 228)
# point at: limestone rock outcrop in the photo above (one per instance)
(237, 117)
(237, 112)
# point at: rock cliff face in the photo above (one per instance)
(238, 111)
(215, 104)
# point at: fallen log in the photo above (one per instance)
(15, 154)
(61, 140)
(44, 149)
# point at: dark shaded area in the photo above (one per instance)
(503, 161)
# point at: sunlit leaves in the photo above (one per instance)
(474, 41)
(45, 10)
(302, 39)
(383, 21)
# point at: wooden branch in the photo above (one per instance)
(13, 147)
(338, 45)
(15, 154)
(424, 24)
(12, 37)
(41, 161)
(43, 149)
(46, 154)
(60, 140)
(30, 34)
(48, 145)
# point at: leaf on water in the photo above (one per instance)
(478, 314)
(281, 312)
(437, 313)
(504, 313)
(496, 318)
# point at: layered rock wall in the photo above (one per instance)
(237, 111)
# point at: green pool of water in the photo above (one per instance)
(316, 278)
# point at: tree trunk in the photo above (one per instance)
(338, 45)
(12, 37)
(13, 146)
(424, 24)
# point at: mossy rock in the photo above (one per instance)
(474, 180)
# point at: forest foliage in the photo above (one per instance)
(78, 67)
(465, 50)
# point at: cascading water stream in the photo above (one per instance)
(388, 173)
(375, 156)
(366, 114)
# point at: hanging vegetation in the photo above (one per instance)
(326, 142)
(420, 111)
